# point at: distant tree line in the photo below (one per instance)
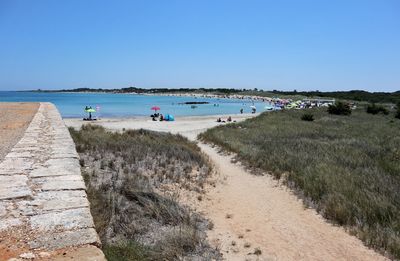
(153, 90)
(355, 95)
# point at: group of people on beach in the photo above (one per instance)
(157, 116)
(161, 117)
(229, 119)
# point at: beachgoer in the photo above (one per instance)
(219, 120)
(253, 110)
(161, 117)
(241, 111)
(229, 119)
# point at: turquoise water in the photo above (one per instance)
(126, 105)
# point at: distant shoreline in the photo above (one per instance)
(173, 94)
(352, 95)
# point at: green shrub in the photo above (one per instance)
(339, 108)
(127, 251)
(307, 117)
(374, 109)
(398, 111)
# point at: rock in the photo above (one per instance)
(9, 222)
(15, 192)
(27, 255)
(3, 210)
(44, 254)
(51, 241)
(65, 220)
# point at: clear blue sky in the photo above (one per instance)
(284, 45)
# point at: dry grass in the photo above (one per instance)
(126, 175)
(347, 167)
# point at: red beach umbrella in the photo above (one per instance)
(155, 108)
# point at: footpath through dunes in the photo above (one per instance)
(44, 212)
(255, 214)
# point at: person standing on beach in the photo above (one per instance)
(241, 111)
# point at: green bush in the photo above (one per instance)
(307, 117)
(374, 109)
(398, 111)
(127, 251)
(339, 108)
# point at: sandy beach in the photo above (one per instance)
(188, 126)
(252, 212)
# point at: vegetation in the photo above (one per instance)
(307, 117)
(133, 179)
(398, 111)
(355, 95)
(348, 168)
(375, 109)
(339, 108)
(154, 90)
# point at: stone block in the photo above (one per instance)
(52, 241)
(64, 220)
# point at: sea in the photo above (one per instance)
(72, 105)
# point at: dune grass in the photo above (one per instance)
(135, 216)
(347, 167)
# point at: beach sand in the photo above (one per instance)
(14, 119)
(188, 126)
(252, 212)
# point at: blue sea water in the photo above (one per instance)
(125, 105)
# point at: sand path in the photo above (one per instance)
(269, 217)
(250, 212)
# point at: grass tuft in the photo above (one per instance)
(307, 117)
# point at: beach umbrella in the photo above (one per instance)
(90, 110)
(155, 108)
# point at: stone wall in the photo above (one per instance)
(43, 203)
